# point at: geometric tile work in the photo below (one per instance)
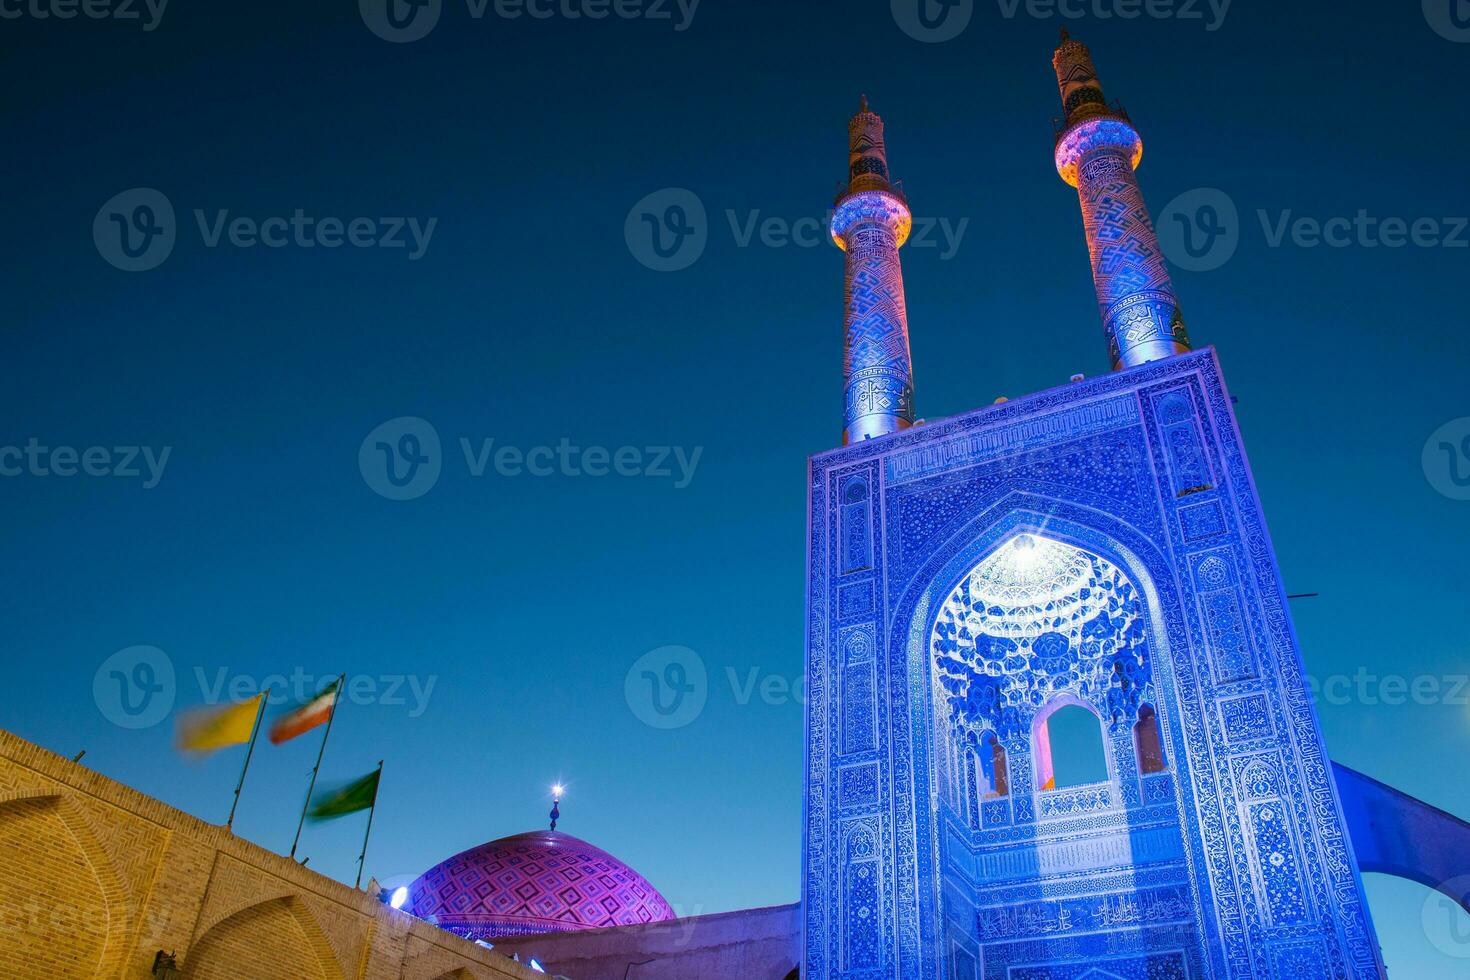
(1232, 863)
(879, 391)
(870, 222)
(1135, 295)
(1186, 459)
(538, 882)
(855, 600)
(1035, 619)
(1096, 152)
(1202, 521)
(1246, 718)
(1224, 617)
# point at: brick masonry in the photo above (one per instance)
(100, 878)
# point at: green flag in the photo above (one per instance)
(360, 794)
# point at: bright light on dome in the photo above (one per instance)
(1027, 554)
(557, 790)
(400, 895)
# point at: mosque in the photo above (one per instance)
(1097, 549)
(1095, 553)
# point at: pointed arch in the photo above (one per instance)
(1148, 742)
(112, 894)
(222, 951)
(993, 767)
(929, 579)
(1036, 626)
(1095, 532)
(1045, 748)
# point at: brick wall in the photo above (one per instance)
(99, 878)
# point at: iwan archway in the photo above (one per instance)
(1030, 869)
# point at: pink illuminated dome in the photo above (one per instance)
(538, 882)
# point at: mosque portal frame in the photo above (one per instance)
(1142, 468)
(1019, 879)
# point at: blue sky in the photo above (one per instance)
(518, 604)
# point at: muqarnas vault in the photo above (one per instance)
(1098, 547)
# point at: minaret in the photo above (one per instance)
(870, 222)
(1097, 152)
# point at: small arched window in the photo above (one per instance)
(1150, 745)
(995, 775)
(1069, 748)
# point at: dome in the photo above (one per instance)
(542, 881)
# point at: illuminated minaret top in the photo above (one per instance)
(869, 224)
(1096, 152)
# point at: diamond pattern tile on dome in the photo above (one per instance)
(543, 881)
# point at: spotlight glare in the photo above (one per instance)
(1026, 554)
(400, 895)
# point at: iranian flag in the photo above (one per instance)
(300, 720)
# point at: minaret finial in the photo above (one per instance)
(1066, 35)
(556, 793)
(1096, 152)
(863, 107)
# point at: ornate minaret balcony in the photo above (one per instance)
(871, 221)
(1097, 152)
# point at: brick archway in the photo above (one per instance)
(77, 889)
(279, 938)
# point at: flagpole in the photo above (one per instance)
(259, 713)
(341, 683)
(374, 809)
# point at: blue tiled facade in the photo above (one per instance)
(1229, 860)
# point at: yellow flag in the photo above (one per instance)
(210, 728)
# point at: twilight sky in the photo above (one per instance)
(453, 237)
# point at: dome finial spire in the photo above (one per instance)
(556, 792)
